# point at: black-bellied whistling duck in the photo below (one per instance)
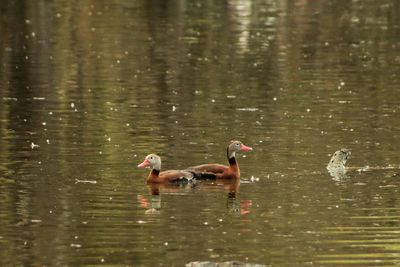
(171, 176)
(221, 171)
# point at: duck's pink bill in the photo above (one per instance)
(145, 163)
(246, 148)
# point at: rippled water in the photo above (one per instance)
(87, 89)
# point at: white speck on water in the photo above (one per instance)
(101, 152)
(50, 113)
(10, 99)
(33, 34)
(205, 223)
(213, 100)
(118, 61)
(76, 237)
(308, 110)
(39, 98)
(275, 98)
(247, 109)
(33, 145)
(127, 124)
(342, 83)
(220, 220)
(93, 29)
(50, 211)
(58, 15)
(85, 181)
(44, 123)
(102, 260)
(36, 221)
(342, 101)
(173, 108)
(72, 105)
(76, 245)
(110, 198)
(231, 96)
(48, 141)
(166, 244)
(141, 222)
(27, 21)
(109, 139)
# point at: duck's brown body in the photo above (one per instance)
(222, 171)
(171, 176)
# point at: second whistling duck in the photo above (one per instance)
(171, 176)
(221, 171)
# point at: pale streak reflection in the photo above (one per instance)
(241, 11)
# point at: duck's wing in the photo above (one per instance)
(177, 176)
(209, 168)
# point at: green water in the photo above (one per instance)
(89, 88)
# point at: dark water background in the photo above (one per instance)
(88, 88)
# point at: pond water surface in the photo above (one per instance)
(89, 88)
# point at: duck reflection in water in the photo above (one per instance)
(233, 204)
(152, 204)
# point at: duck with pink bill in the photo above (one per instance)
(222, 171)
